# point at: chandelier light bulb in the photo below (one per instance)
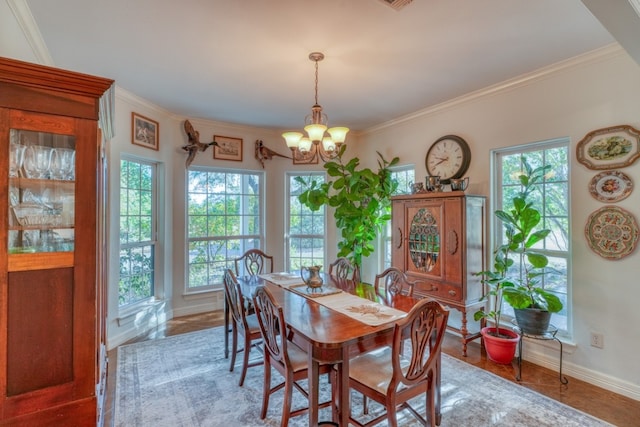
(304, 145)
(292, 139)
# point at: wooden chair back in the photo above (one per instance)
(394, 282)
(235, 299)
(253, 262)
(421, 331)
(344, 273)
(272, 325)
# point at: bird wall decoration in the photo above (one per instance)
(194, 145)
(263, 153)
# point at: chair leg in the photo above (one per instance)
(286, 405)
(234, 346)
(365, 405)
(431, 407)
(245, 359)
(266, 388)
(391, 414)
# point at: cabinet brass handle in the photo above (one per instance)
(452, 293)
(452, 242)
(400, 238)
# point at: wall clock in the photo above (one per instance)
(448, 157)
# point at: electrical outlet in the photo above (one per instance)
(597, 340)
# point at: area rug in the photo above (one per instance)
(184, 381)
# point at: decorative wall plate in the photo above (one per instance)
(612, 232)
(609, 148)
(610, 186)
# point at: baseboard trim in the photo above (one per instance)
(598, 379)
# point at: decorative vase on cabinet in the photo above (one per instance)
(438, 239)
(50, 289)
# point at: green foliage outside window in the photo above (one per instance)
(136, 232)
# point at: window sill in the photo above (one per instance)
(131, 313)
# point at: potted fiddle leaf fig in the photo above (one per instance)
(361, 199)
(518, 266)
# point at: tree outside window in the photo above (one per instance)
(137, 231)
(552, 199)
(306, 229)
(224, 220)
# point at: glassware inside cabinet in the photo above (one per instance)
(41, 192)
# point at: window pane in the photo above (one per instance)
(405, 176)
(137, 231)
(306, 228)
(551, 198)
(224, 210)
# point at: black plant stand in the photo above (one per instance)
(549, 335)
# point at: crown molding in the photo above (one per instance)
(609, 51)
(27, 23)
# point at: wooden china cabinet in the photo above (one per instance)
(51, 294)
(438, 239)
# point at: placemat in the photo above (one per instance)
(306, 291)
(283, 279)
(364, 310)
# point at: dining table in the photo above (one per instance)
(331, 336)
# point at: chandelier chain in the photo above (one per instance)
(316, 82)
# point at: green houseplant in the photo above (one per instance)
(519, 284)
(361, 199)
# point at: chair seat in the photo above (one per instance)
(252, 323)
(374, 369)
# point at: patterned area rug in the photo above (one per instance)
(184, 381)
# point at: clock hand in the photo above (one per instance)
(441, 160)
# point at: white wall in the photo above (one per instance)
(602, 91)
(173, 301)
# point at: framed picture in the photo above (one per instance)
(308, 158)
(609, 148)
(228, 148)
(144, 131)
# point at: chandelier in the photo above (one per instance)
(307, 149)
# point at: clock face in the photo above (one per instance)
(448, 157)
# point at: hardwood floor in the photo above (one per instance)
(614, 408)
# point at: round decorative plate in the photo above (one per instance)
(610, 186)
(612, 232)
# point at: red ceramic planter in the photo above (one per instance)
(500, 349)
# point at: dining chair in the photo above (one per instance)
(390, 378)
(253, 262)
(283, 355)
(344, 273)
(394, 282)
(243, 324)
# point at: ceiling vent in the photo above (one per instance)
(397, 4)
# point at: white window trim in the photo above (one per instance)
(496, 194)
(287, 234)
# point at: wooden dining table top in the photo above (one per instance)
(330, 336)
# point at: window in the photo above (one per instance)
(224, 215)
(305, 228)
(405, 177)
(137, 231)
(552, 199)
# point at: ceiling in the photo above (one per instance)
(246, 61)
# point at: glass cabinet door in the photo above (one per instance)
(424, 240)
(41, 192)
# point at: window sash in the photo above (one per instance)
(225, 218)
(138, 231)
(405, 175)
(554, 192)
(304, 248)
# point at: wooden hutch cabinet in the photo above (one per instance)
(51, 293)
(438, 240)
